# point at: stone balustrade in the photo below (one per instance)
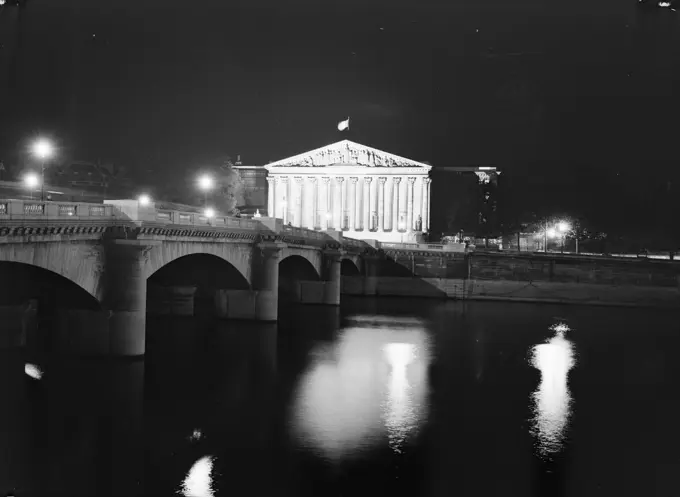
(437, 247)
(24, 210)
(31, 214)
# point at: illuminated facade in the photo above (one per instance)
(345, 186)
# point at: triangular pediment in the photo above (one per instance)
(346, 152)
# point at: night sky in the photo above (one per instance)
(523, 84)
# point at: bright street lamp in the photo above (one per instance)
(144, 200)
(31, 180)
(563, 227)
(209, 213)
(206, 183)
(43, 150)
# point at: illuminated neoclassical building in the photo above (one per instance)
(345, 186)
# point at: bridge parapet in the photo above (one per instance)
(13, 210)
(423, 247)
(134, 211)
(130, 219)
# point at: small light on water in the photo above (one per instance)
(196, 435)
(560, 328)
(198, 482)
(33, 371)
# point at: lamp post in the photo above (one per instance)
(31, 180)
(206, 184)
(549, 233)
(209, 214)
(43, 150)
(563, 227)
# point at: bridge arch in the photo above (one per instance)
(314, 257)
(200, 269)
(50, 289)
(349, 268)
(78, 263)
(292, 271)
(189, 285)
(236, 255)
(299, 268)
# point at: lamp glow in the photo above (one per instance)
(43, 149)
(31, 180)
(209, 213)
(205, 182)
(563, 226)
(144, 200)
(551, 232)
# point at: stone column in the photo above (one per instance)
(356, 215)
(426, 204)
(299, 200)
(325, 221)
(267, 283)
(429, 210)
(367, 203)
(389, 202)
(381, 203)
(337, 207)
(286, 203)
(271, 196)
(409, 204)
(279, 195)
(314, 202)
(396, 180)
(344, 224)
(332, 283)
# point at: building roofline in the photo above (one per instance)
(338, 145)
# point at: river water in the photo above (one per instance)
(379, 397)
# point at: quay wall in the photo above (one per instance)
(549, 278)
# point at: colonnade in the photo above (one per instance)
(351, 203)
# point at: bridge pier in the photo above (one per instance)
(267, 289)
(262, 302)
(371, 275)
(331, 294)
(325, 292)
(119, 329)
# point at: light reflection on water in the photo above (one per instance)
(372, 385)
(399, 412)
(198, 482)
(552, 400)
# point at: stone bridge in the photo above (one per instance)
(104, 255)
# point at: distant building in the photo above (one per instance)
(254, 180)
(465, 198)
(82, 174)
(345, 186)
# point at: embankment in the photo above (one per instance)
(549, 278)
